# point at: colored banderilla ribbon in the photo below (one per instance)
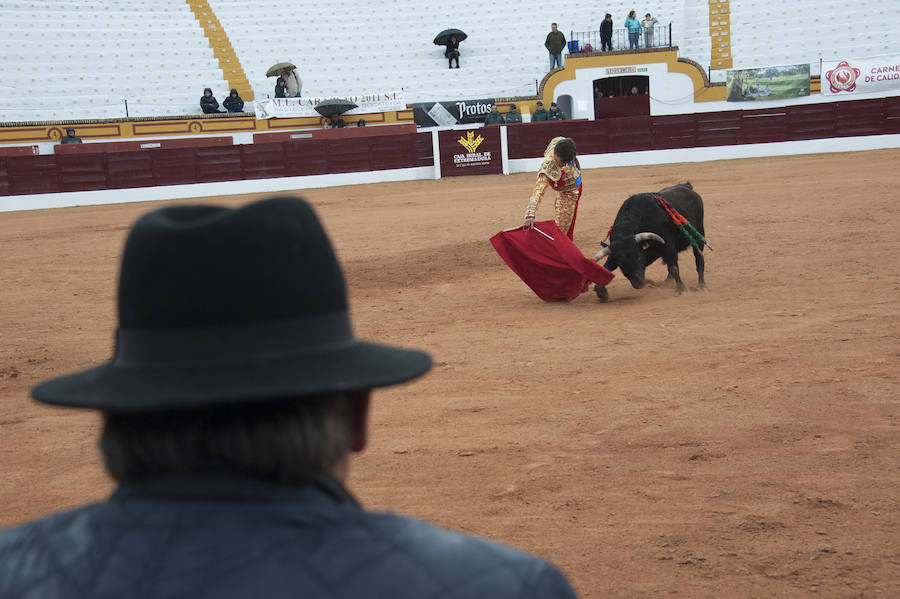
(687, 229)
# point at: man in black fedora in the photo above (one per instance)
(235, 395)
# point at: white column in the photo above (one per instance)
(436, 151)
(504, 150)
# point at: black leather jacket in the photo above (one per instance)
(230, 538)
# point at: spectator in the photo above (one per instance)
(208, 102)
(606, 31)
(648, 24)
(540, 114)
(634, 91)
(513, 116)
(70, 137)
(361, 123)
(634, 31)
(233, 102)
(292, 83)
(494, 117)
(452, 52)
(232, 405)
(280, 88)
(555, 43)
(336, 122)
(555, 113)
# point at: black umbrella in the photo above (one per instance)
(334, 106)
(444, 36)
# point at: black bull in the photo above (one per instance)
(643, 232)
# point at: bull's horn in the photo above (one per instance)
(602, 254)
(642, 237)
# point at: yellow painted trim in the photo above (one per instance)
(720, 34)
(222, 49)
(703, 92)
(188, 125)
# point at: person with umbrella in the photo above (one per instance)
(293, 85)
(452, 52)
(561, 171)
(450, 38)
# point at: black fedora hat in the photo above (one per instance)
(220, 305)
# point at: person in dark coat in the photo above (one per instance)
(606, 32)
(235, 397)
(555, 114)
(208, 102)
(70, 137)
(540, 114)
(494, 117)
(513, 116)
(233, 103)
(280, 88)
(452, 51)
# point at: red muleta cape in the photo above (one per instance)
(548, 261)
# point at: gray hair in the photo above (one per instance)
(284, 441)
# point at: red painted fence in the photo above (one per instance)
(82, 171)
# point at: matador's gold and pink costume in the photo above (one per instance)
(566, 180)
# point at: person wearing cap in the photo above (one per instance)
(70, 137)
(235, 395)
(494, 117)
(540, 114)
(555, 114)
(513, 116)
(560, 171)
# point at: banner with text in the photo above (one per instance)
(470, 152)
(301, 107)
(445, 114)
(861, 75)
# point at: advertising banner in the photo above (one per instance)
(768, 83)
(861, 75)
(446, 114)
(470, 152)
(300, 107)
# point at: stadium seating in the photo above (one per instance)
(82, 59)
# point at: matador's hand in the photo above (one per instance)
(529, 222)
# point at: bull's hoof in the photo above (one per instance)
(680, 290)
(702, 287)
(602, 293)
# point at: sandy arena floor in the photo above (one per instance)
(737, 443)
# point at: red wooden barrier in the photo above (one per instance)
(81, 167)
(343, 133)
(142, 144)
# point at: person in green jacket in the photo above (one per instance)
(555, 113)
(555, 43)
(513, 116)
(540, 114)
(494, 117)
(634, 30)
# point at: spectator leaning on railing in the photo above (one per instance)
(649, 23)
(513, 116)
